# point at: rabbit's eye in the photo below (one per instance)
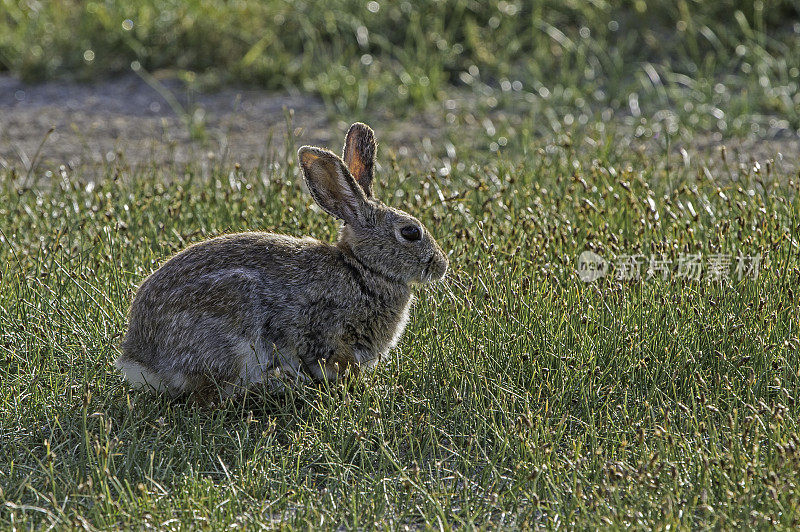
(411, 233)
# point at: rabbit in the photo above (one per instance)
(231, 311)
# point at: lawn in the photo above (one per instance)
(520, 395)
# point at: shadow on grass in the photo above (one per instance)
(131, 445)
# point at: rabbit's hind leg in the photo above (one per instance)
(256, 361)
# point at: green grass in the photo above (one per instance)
(725, 58)
(519, 395)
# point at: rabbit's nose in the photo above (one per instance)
(438, 267)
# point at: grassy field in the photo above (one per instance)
(520, 395)
(739, 56)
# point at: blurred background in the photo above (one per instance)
(150, 78)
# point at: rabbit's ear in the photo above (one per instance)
(359, 155)
(331, 184)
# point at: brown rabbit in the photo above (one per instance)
(228, 311)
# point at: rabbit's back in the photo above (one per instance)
(221, 308)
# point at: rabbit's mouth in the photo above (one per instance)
(434, 270)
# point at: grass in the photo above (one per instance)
(520, 395)
(725, 58)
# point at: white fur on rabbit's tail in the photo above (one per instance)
(142, 378)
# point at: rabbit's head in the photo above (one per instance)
(384, 240)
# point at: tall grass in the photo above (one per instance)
(519, 395)
(726, 56)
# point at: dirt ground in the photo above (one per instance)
(94, 124)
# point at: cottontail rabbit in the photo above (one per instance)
(224, 313)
